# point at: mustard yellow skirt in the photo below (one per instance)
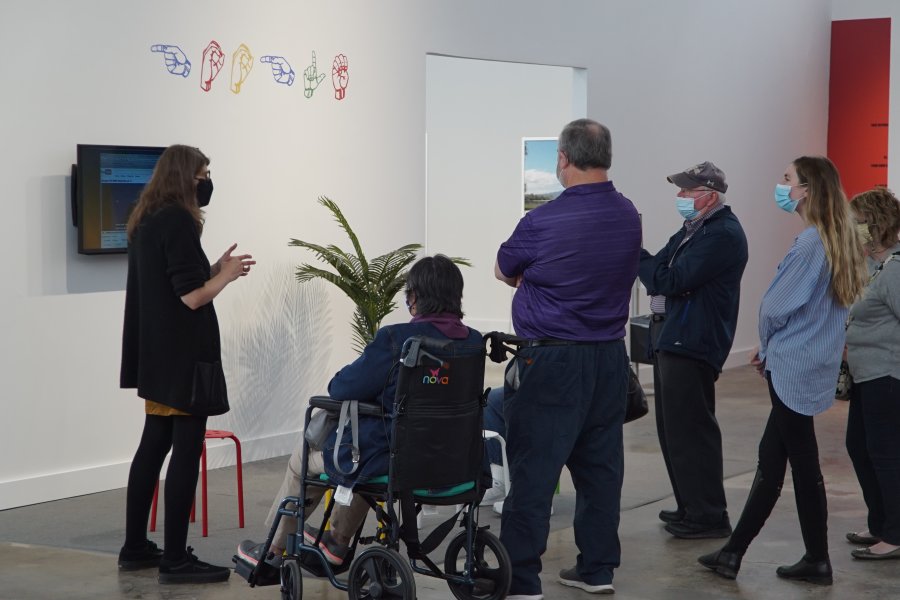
(161, 410)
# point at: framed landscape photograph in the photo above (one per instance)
(539, 183)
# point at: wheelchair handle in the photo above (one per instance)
(502, 344)
(414, 349)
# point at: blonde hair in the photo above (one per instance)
(827, 209)
(880, 209)
(172, 183)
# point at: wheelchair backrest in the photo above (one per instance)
(437, 438)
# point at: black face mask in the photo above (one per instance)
(204, 192)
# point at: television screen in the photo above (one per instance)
(108, 183)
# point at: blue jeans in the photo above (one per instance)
(493, 421)
(568, 411)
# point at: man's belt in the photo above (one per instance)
(553, 342)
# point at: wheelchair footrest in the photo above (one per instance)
(267, 575)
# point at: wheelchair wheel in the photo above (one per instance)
(381, 573)
(491, 568)
(291, 581)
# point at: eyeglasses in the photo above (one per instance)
(208, 176)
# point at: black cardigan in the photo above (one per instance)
(163, 340)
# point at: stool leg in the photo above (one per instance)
(153, 507)
(240, 482)
(203, 490)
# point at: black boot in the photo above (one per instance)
(726, 564)
(763, 495)
(818, 572)
(812, 510)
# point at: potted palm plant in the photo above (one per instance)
(372, 285)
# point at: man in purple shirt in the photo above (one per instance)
(573, 261)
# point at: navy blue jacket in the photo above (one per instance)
(702, 288)
(373, 378)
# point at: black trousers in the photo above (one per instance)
(184, 436)
(689, 435)
(873, 442)
(788, 437)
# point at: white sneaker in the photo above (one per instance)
(498, 490)
(493, 495)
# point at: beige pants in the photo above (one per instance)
(345, 520)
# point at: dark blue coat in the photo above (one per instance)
(373, 378)
(702, 288)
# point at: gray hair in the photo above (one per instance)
(587, 144)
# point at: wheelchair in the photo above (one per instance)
(433, 419)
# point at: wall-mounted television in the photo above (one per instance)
(107, 182)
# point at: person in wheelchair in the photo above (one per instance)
(434, 288)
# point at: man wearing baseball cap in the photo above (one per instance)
(694, 286)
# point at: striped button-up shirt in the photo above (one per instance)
(801, 328)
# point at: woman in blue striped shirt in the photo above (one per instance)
(801, 334)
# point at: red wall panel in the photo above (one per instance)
(859, 94)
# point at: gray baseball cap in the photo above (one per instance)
(705, 174)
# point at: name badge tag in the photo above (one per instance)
(343, 495)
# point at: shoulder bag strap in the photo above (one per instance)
(353, 407)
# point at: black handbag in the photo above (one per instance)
(209, 396)
(636, 401)
(844, 382)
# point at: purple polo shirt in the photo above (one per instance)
(579, 258)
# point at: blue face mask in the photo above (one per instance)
(783, 198)
(685, 206)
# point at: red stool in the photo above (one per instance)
(217, 434)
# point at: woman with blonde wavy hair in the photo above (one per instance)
(801, 334)
(873, 345)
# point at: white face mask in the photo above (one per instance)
(864, 234)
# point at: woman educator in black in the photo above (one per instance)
(171, 354)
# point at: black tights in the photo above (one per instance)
(184, 436)
(789, 437)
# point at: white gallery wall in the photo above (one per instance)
(742, 84)
(474, 184)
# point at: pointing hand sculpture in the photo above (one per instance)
(176, 61)
(281, 69)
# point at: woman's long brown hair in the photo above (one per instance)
(827, 209)
(172, 183)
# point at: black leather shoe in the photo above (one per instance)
(726, 564)
(862, 540)
(689, 530)
(818, 572)
(671, 516)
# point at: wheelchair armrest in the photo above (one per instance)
(331, 405)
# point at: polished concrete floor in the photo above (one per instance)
(67, 549)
